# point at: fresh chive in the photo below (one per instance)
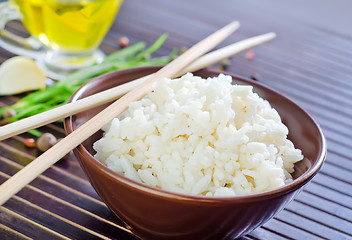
(125, 53)
(35, 132)
(58, 94)
(154, 47)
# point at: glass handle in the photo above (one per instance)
(29, 47)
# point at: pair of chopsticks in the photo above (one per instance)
(133, 91)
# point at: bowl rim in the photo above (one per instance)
(290, 187)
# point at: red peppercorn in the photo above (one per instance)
(124, 41)
(29, 142)
(250, 54)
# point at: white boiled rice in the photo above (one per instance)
(200, 137)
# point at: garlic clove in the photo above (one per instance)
(20, 74)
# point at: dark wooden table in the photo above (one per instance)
(310, 61)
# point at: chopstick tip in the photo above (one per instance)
(272, 34)
(232, 26)
(235, 24)
(267, 36)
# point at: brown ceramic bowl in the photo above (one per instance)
(156, 214)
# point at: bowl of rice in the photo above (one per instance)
(208, 155)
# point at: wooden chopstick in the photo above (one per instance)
(97, 99)
(48, 158)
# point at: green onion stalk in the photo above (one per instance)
(59, 93)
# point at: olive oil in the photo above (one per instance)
(69, 25)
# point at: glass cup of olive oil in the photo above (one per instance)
(64, 34)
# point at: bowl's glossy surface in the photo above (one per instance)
(155, 214)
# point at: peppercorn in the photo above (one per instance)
(29, 142)
(255, 76)
(250, 54)
(9, 113)
(124, 41)
(46, 141)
